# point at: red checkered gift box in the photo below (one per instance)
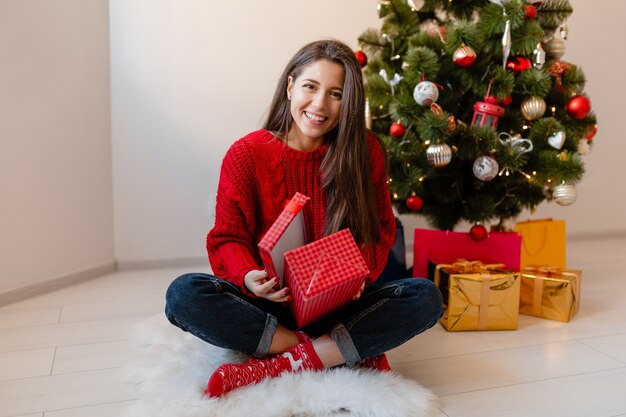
(323, 275)
(288, 232)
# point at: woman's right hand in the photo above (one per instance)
(257, 283)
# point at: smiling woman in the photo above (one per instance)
(313, 142)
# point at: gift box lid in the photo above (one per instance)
(326, 263)
(288, 232)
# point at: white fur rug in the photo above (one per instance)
(173, 367)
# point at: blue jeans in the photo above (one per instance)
(383, 318)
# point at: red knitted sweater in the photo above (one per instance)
(259, 174)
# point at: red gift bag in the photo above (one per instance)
(441, 247)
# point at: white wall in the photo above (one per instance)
(56, 215)
(188, 78)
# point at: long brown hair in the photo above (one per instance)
(345, 174)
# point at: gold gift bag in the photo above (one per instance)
(480, 297)
(543, 242)
(550, 292)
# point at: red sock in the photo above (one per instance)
(228, 377)
(379, 363)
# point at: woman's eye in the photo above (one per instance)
(336, 95)
(309, 86)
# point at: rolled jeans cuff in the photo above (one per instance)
(341, 336)
(271, 324)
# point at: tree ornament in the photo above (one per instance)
(425, 93)
(539, 57)
(555, 47)
(464, 56)
(506, 39)
(507, 101)
(564, 31)
(557, 140)
(557, 69)
(452, 125)
(485, 168)
(564, 194)
(416, 5)
(499, 2)
(414, 203)
(530, 12)
(361, 57)
(583, 147)
(517, 144)
(591, 131)
(578, 107)
(382, 8)
(439, 155)
(391, 81)
(486, 114)
(518, 64)
(533, 108)
(478, 232)
(368, 114)
(397, 130)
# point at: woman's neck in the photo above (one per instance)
(302, 143)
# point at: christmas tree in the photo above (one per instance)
(481, 117)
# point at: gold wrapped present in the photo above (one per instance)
(550, 292)
(478, 296)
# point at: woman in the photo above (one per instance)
(315, 142)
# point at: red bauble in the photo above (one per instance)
(507, 101)
(591, 131)
(464, 56)
(478, 232)
(578, 107)
(397, 130)
(361, 57)
(518, 64)
(530, 11)
(414, 203)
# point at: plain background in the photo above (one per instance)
(114, 118)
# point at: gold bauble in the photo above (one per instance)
(439, 155)
(555, 48)
(564, 194)
(533, 108)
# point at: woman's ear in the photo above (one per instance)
(289, 87)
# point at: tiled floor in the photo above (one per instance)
(60, 353)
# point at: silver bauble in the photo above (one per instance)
(425, 93)
(564, 194)
(439, 155)
(485, 168)
(383, 8)
(415, 4)
(533, 108)
(555, 48)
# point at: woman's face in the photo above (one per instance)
(316, 99)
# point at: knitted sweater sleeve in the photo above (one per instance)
(230, 244)
(376, 256)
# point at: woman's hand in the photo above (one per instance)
(256, 281)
